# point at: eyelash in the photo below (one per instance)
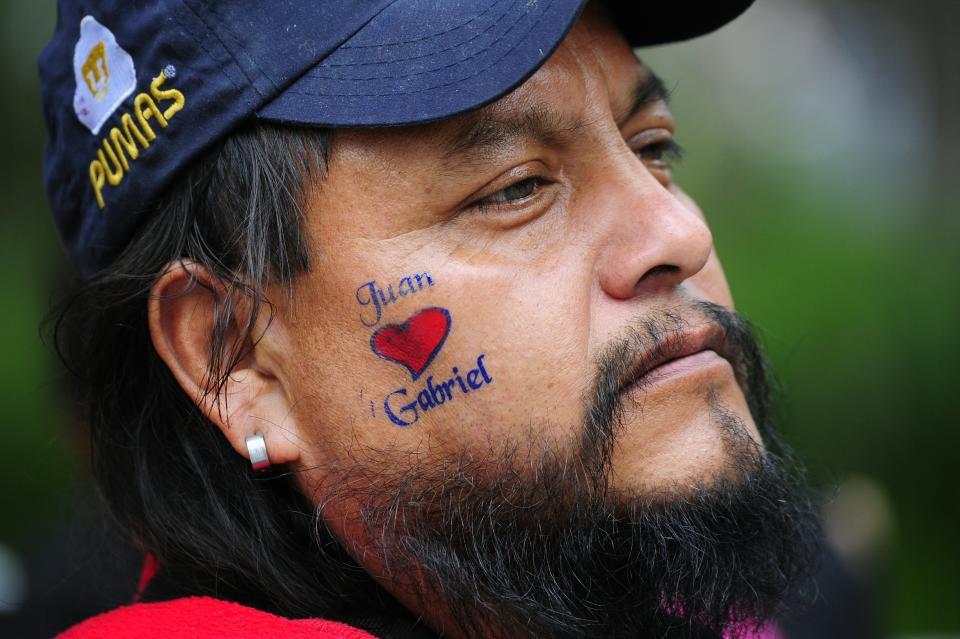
(667, 152)
(534, 182)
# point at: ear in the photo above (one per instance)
(182, 311)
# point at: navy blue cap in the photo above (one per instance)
(134, 91)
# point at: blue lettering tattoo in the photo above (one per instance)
(376, 298)
(433, 395)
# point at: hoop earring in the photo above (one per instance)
(257, 449)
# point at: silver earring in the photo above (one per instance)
(257, 448)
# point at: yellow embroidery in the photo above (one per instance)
(113, 177)
(126, 139)
(151, 111)
(97, 179)
(95, 71)
(109, 167)
(166, 94)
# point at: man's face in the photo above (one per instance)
(513, 373)
(520, 242)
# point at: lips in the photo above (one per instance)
(677, 353)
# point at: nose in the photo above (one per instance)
(652, 240)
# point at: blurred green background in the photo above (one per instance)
(823, 140)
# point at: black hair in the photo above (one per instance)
(168, 476)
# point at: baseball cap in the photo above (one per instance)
(133, 92)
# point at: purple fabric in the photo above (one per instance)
(769, 631)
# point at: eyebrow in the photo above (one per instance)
(486, 134)
(649, 89)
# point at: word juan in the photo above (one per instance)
(371, 295)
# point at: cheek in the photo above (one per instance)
(466, 356)
(536, 351)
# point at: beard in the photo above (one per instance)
(531, 539)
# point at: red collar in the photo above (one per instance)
(204, 618)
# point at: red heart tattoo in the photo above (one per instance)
(414, 343)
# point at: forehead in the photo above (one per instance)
(593, 69)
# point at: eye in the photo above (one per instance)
(661, 153)
(516, 192)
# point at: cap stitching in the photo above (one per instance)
(430, 88)
(200, 43)
(324, 65)
(229, 53)
(211, 6)
(426, 37)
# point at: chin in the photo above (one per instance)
(685, 441)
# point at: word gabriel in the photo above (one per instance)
(414, 344)
(433, 395)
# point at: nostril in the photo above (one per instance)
(660, 269)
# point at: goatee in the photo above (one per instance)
(532, 540)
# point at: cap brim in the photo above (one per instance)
(674, 21)
(447, 60)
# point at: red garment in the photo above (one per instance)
(205, 618)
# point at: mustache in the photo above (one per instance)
(656, 339)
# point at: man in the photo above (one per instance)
(392, 315)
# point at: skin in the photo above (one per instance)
(539, 285)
